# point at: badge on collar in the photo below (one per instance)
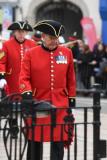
(61, 59)
(2, 54)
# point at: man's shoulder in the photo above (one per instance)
(35, 49)
(10, 41)
(30, 41)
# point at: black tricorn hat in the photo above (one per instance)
(20, 25)
(50, 27)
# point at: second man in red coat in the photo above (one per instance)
(11, 57)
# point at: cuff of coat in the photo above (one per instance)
(2, 75)
(72, 102)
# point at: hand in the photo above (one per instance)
(3, 83)
(27, 96)
(26, 103)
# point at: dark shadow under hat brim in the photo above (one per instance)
(20, 26)
(50, 27)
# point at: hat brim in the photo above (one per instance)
(50, 27)
(17, 26)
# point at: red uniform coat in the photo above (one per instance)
(50, 76)
(10, 61)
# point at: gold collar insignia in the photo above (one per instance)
(2, 54)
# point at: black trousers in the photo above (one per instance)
(34, 151)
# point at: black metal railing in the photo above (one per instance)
(85, 128)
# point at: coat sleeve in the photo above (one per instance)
(24, 79)
(3, 59)
(71, 79)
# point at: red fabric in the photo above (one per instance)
(10, 63)
(72, 38)
(36, 75)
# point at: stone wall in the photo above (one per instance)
(27, 10)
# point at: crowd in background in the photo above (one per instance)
(91, 66)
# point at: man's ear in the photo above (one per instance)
(42, 36)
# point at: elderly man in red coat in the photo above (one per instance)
(47, 73)
(11, 57)
(12, 53)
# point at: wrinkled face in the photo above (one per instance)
(51, 42)
(20, 35)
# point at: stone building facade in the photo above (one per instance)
(28, 10)
(69, 12)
